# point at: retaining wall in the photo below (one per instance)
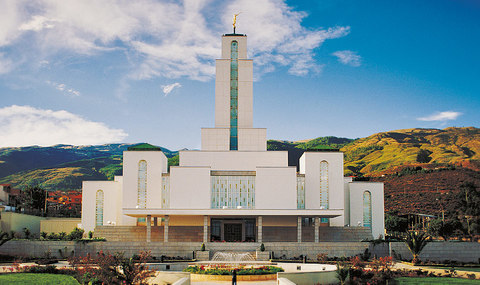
(435, 251)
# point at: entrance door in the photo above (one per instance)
(233, 232)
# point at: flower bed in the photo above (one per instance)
(227, 270)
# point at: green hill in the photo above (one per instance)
(384, 152)
(65, 167)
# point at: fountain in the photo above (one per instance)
(233, 256)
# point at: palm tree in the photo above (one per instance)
(415, 242)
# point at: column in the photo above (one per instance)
(155, 221)
(317, 225)
(259, 228)
(205, 229)
(299, 229)
(148, 221)
(165, 229)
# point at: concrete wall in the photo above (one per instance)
(252, 139)
(16, 222)
(189, 187)
(275, 188)
(357, 190)
(307, 274)
(234, 160)
(112, 203)
(310, 166)
(58, 225)
(440, 251)
(215, 139)
(437, 251)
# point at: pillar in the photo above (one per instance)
(148, 221)
(165, 229)
(155, 221)
(205, 229)
(299, 229)
(259, 228)
(317, 225)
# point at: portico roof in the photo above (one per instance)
(324, 213)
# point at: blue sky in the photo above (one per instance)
(94, 72)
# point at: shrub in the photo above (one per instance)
(111, 269)
(90, 234)
(62, 235)
(76, 234)
(43, 235)
(52, 236)
(26, 231)
(262, 247)
(203, 247)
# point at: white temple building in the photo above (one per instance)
(233, 189)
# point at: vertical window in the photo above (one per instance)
(367, 209)
(142, 184)
(99, 208)
(234, 96)
(165, 192)
(300, 192)
(324, 188)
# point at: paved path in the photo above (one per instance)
(460, 273)
(269, 282)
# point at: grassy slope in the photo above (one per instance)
(378, 153)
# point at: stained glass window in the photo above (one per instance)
(300, 192)
(165, 192)
(367, 209)
(232, 192)
(99, 208)
(142, 184)
(234, 96)
(324, 188)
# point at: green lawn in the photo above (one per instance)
(37, 279)
(433, 280)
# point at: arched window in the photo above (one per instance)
(142, 184)
(234, 96)
(99, 208)
(367, 209)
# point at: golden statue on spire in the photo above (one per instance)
(235, 21)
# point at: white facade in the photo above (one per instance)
(233, 183)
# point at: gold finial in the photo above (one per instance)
(235, 21)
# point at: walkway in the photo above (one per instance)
(460, 273)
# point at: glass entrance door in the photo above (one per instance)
(233, 232)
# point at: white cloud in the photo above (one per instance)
(169, 88)
(25, 125)
(63, 87)
(348, 57)
(441, 116)
(168, 39)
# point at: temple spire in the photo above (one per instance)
(235, 21)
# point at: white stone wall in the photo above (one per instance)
(215, 139)
(275, 188)
(234, 160)
(310, 166)
(242, 46)
(112, 205)
(189, 187)
(346, 188)
(356, 205)
(252, 139)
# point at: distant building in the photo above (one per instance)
(9, 197)
(233, 189)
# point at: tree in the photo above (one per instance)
(444, 229)
(33, 198)
(468, 208)
(415, 242)
(394, 223)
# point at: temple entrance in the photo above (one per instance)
(233, 232)
(233, 229)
